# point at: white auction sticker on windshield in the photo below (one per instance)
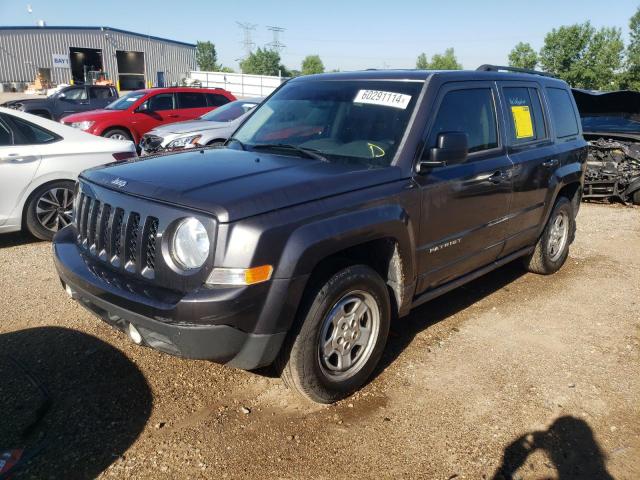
(385, 99)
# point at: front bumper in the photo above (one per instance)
(204, 324)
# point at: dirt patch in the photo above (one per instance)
(512, 374)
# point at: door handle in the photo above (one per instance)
(550, 163)
(17, 158)
(174, 116)
(497, 177)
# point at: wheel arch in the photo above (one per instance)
(32, 190)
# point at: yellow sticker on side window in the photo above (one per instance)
(522, 121)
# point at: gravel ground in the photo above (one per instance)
(515, 373)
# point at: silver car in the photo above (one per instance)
(212, 128)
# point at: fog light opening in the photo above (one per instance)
(134, 334)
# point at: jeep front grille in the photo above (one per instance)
(124, 239)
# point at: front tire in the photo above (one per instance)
(49, 209)
(117, 134)
(552, 248)
(341, 336)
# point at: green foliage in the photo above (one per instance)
(263, 62)
(206, 57)
(445, 61)
(583, 56)
(523, 56)
(631, 77)
(226, 69)
(312, 64)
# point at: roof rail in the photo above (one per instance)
(500, 68)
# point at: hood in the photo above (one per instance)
(27, 101)
(188, 127)
(92, 115)
(233, 184)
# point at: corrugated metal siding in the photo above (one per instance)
(22, 52)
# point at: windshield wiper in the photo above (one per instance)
(234, 139)
(306, 152)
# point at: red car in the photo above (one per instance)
(134, 114)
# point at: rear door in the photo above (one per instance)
(533, 153)
(19, 159)
(464, 205)
(100, 97)
(191, 105)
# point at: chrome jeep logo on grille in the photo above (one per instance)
(118, 182)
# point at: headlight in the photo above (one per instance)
(190, 244)
(84, 125)
(184, 142)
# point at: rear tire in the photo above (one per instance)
(552, 248)
(341, 334)
(635, 198)
(117, 134)
(49, 209)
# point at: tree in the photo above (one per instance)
(631, 78)
(523, 56)
(263, 62)
(312, 64)
(206, 57)
(422, 62)
(445, 61)
(582, 56)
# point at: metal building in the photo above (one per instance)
(84, 54)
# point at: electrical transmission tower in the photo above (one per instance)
(247, 41)
(276, 44)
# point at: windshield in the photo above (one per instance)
(343, 119)
(125, 102)
(229, 112)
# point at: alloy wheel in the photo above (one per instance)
(54, 208)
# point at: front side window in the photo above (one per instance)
(564, 117)
(470, 111)
(525, 111)
(362, 121)
(162, 101)
(229, 112)
(75, 94)
(30, 134)
(125, 102)
(191, 100)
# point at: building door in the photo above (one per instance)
(130, 70)
(160, 82)
(86, 63)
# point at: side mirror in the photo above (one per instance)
(62, 96)
(143, 108)
(452, 148)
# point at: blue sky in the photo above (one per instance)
(347, 34)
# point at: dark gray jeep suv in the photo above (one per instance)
(340, 203)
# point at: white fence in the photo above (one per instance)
(239, 84)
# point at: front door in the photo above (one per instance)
(464, 205)
(160, 109)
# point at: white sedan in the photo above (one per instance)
(39, 163)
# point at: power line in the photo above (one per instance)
(276, 44)
(247, 42)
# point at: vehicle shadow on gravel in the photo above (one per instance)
(404, 330)
(568, 443)
(17, 238)
(70, 404)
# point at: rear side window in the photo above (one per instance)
(100, 93)
(472, 112)
(30, 134)
(215, 100)
(191, 100)
(525, 110)
(564, 117)
(5, 135)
